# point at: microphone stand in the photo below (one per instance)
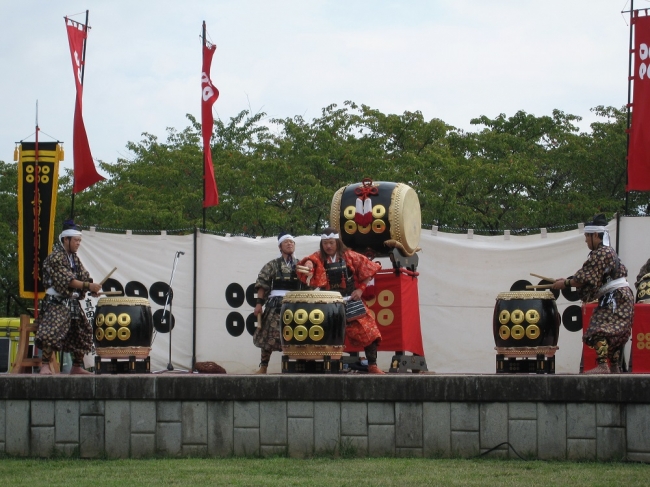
(168, 301)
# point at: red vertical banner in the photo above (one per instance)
(638, 157)
(209, 94)
(85, 174)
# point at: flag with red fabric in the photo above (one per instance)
(638, 157)
(85, 173)
(209, 94)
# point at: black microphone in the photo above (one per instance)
(180, 253)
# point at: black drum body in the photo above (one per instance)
(123, 327)
(526, 319)
(313, 325)
(393, 215)
(643, 291)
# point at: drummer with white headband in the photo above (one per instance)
(603, 278)
(276, 279)
(62, 325)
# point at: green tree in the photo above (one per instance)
(10, 303)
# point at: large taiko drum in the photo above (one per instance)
(643, 291)
(123, 327)
(313, 325)
(526, 319)
(377, 216)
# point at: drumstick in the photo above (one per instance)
(259, 320)
(111, 293)
(550, 279)
(109, 275)
(540, 286)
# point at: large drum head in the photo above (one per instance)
(405, 217)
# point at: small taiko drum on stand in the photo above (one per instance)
(643, 291)
(376, 217)
(122, 329)
(313, 331)
(526, 327)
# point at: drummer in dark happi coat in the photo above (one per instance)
(603, 278)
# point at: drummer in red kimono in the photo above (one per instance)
(336, 268)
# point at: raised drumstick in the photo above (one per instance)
(109, 275)
(549, 279)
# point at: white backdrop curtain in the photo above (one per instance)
(460, 278)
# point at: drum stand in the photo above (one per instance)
(168, 317)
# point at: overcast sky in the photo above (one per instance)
(450, 59)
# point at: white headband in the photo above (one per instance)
(599, 229)
(286, 237)
(70, 233)
(331, 235)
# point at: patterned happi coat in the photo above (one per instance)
(612, 318)
(645, 269)
(363, 331)
(61, 324)
(267, 336)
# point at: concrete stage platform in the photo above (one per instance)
(572, 417)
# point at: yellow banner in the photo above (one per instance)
(47, 178)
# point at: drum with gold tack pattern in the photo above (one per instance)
(390, 218)
(123, 327)
(643, 291)
(312, 325)
(526, 319)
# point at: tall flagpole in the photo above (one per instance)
(205, 177)
(629, 101)
(37, 249)
(83, 69)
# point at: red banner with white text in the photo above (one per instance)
(209, 94)
(85, 174)
(638, 157)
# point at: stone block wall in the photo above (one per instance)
(139, 417)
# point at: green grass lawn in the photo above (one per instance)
(287, 472)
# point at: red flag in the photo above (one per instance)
(209, 94)
(85, 174)
(638, 157)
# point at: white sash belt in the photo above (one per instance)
(612, 285)
(278, 292)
